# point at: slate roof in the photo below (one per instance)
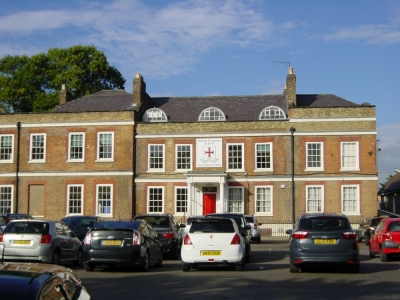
(188, 109)
(393, 185)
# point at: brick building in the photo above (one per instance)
(118, 154)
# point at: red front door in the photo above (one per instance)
(209, 203)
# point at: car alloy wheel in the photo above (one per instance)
(185, 267)
(79, 258)
(145, 265)
(56, 258)
(384, 257)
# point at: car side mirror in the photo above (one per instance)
(289, 231)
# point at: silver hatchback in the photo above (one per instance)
(40, 241)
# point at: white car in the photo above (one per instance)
(213, 241)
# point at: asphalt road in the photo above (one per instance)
(266, 277)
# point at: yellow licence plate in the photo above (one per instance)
(211, 253)
(325, 241)
(112, 242)
(22, 242)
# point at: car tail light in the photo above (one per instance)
(87, 239)
(349, 235)
(136, 238)
(255, 226)
(45, 239)
(1, 237)
(235, 240)
(168, 235)
(187, 240)
(300, 235)
(386, 236)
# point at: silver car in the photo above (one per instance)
(40, 241)
(255, 230)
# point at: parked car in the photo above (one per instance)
(188, 223)
(31, 281)
(244, 229)
(45, 241)
(367, 228)
(213, 241)
(116, 242)
(323, 239)
(255, 230)
(386, 239)
(6, 218)
(171, 231)
(80, 225)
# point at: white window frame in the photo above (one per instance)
(9, 209)
(212, 114)
(106, 214)
(270, 155)
(11, 159)
(272, 113)
(150, 169)
(154, 115)
(105, 159)
(357, 210)
(31, 159)
(149, 188)
(342, 157)
(185, 207)
(81, 187)
(321, 167)
(271, 200)
(228, 157)
(176, 157)
(241, 189)
(70, 146)
(319, 187)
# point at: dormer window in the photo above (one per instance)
(212, 114)
(272, 112)
(154, 115)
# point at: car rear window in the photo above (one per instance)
(155, 222)
(394, 226)
(80, 224)
(324, 223)
(27, 227)
(216, 226)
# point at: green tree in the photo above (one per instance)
(387, 179)
(32, 84)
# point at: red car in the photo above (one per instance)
(386, 239)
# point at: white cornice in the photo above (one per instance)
(311, 120)
(69, 124)
(67, 174)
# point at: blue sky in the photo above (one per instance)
(232, 47)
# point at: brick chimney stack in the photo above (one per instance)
(139, 90)
(290, 88)
(64, 95)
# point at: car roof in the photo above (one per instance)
(322, 215)
(226, 214)
(77, 217)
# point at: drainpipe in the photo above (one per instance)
(292, 130)
(17, 168)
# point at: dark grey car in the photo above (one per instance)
(323, 238)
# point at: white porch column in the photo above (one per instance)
(222, 205)
(189, 198)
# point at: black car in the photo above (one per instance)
(6, 218)
(244, 228)
(80, 225)
(33, 281)
(117, 242)
(172, 234)
(367, 229)
(323, 239)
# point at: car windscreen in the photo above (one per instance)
(155, 222)
(394, 226)
(27, 227)
(324, 223)
(250, 219)
(209, 225)
(78, 224)
(116, 224)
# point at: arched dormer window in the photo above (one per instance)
(212, 114)
(272, 112)
(154, 115)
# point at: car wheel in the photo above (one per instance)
(371, 254)
(248, 255)
(354, 268)
(160, 261)
(185, 268)
(56, 258)
(367, 239)
(79, 258)
(258, 241)
(384, 257)
(145, 265)
(293, 268)
(89, 267)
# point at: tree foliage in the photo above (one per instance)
(32, 84)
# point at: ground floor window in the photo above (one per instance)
(75, 199)
(181, 197)
(235, 200)
(350, 200)
(155, 199)
(6, 199)
(104, 200)
(263, 200)
(314, 199)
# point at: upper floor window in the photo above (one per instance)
(156, 157)
(105, 146)
(235, 200)
(181, 197)
(314, 198)
(154, 115)
(183, 157)
(155, 200)
(272, 112)
(350, 199)
(349, 155)
(37, 147)
(104, 199)
(264, 200)
(6, 148)
(75, 199)
(314, 156)
(234, 156)
(263, 155)
(212, 114)
(76, 149)
(6, 196)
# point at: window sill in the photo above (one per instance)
(314, 170)
(104, 160)
(263, 170)
(350, 170)
(36, 162)
(76, 160)
(156, 171)
(6, 162)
